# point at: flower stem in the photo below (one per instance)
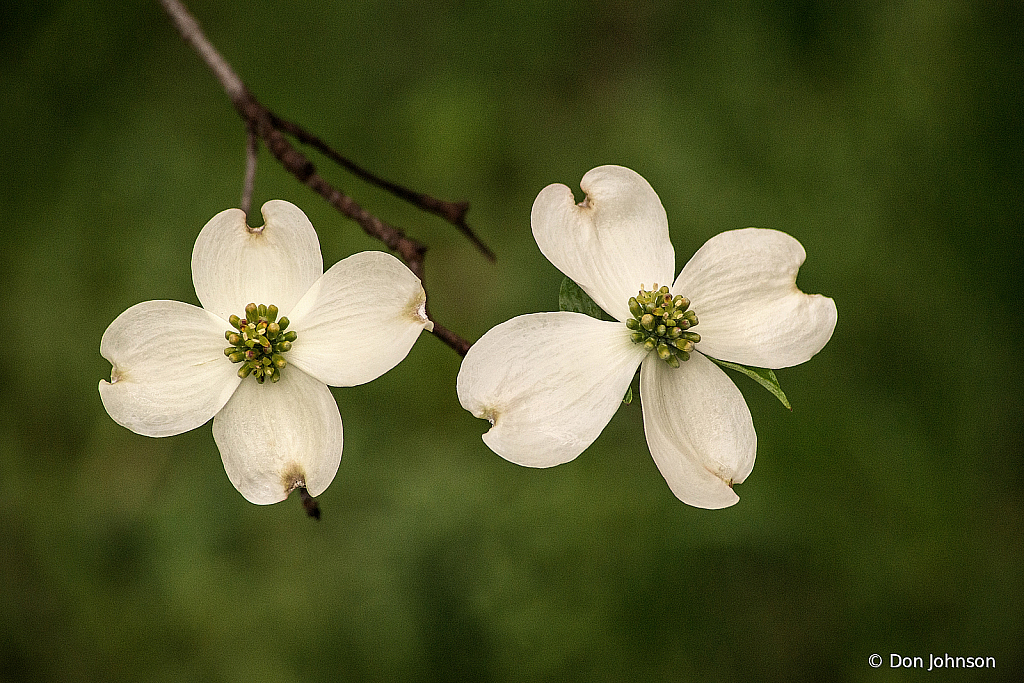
(309, 503)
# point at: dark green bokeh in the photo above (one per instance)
(884, 513)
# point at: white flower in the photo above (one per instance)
(171, 372)
(550, 382)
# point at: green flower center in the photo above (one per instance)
(661, 322)
(259, 342)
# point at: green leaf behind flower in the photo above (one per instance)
(572, 298)
(763, 376)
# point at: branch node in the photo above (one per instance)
(263, 124)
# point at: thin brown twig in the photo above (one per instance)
(309, 503)
(259, 119)
(252, 144)
(453, 212)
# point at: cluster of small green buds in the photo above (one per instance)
(259, 342)
(661, 322)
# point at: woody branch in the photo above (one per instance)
(262, 124)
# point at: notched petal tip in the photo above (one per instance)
(546, 401)
(234, 263)
(609, 243)
(277, 210)
(488, 413)
(280, 212)
(752, 311)
(699, 431)
(276, 438)
(359, 320)
(418, 311)
(157, 388)
(292, 477)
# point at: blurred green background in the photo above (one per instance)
(884, 514)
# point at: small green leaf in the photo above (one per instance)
(572, 298)
(763, 376)
(628, 398)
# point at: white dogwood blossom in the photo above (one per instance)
(550, 382)
(290, 329)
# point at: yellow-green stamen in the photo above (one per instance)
(258, 342)
(662, 322)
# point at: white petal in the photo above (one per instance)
(169, 372)
(275, 437)
(359, 320)
(612, 243)
(548, 382)
(742, 285)
(698, 429)
(233, 265)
